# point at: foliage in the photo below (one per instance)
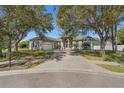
(17, 21)
(121, 36)
(58, 46)
(26, 65)
(112, 58)
(66, 21)
(24, 44)
(75, 45)
(86, 45)
(31, 17)
(91, 53)
(34, 53)
(103, 20)
(95, 55)
(29, 55)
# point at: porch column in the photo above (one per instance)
(58, 44)
(40, 45)
(80, 44)
(62, 45)
(30, 45)
(91, 45)
(68, 43)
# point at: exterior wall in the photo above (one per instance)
(96, 47)
(120, 47)
(79, 44)
(109, 47)
(40, 45)
(30, 44)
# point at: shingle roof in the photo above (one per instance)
(59, 39)
(47, 39)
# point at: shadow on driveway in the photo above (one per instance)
(75, 52)
(58, 56)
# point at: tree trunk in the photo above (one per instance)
(1, 51)
(115, 38)
(102, 47)
(16, 46)
(1, 54)
(17, 43)
(10, 51)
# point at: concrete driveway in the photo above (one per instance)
(66, 69)
(60, 80)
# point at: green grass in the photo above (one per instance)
(112, 68)
(29, 54)
(3, 59)
(95, 55)
(26, 65)
(91, 55)
(114, 57)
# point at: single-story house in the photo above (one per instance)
(63, 43)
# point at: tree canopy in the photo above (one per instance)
(17, 21)
(103, 20)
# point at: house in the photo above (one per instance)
(47, 44)
(62, 43)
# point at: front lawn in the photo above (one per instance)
(26, 65)
(29, 55)
(95, 55)
(112, 68)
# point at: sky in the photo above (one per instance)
(56, 32)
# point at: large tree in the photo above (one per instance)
(113, 17)
(17, 20)
(8, 22)
(31, 17)
(22, 24)
(86, 17)
(100, 19)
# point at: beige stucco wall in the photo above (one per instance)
(109, 47)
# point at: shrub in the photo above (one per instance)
(24, 44)
(91, 53)
(75, 46)
(121, 59)
(112, 57)
(86, 46)
(58, 46)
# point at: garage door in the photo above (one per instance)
(47, 46)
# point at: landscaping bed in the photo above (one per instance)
(28, 55)
(26, 65)
(24, 59)
(95, 55)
